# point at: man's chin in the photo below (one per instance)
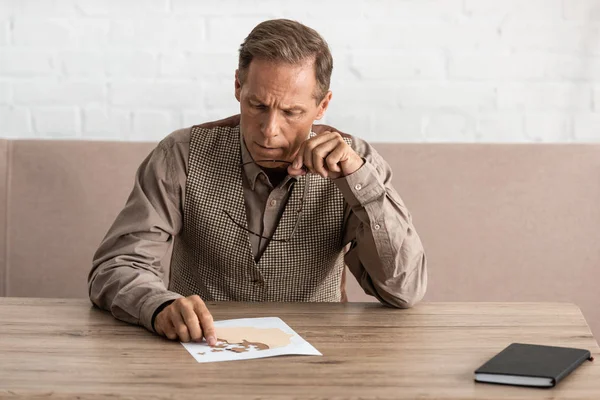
(263, 156)
(275, 164)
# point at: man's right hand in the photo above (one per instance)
(186, 319)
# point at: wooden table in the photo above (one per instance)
(53, 348)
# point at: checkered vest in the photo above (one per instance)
(212, 256)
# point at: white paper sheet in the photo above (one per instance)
(257, 330)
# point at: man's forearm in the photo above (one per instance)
(130, 290)
(386, 256)
(126, 275)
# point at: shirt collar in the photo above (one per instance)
(250, 169)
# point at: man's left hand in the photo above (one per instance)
(327, 155)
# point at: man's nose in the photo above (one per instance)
(270, 124)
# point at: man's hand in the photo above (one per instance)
(327, 155)
(186, 319)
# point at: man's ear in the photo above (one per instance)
(238, 85)
(323, 105)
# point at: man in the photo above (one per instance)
(260, 206)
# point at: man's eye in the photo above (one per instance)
(259, 106)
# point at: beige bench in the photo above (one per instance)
(499, 222)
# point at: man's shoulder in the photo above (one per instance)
(180, 136)
(229, 122)
(183, 136)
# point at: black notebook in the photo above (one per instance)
(531, 365)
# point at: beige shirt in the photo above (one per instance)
(385, 253)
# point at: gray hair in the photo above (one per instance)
(283, 40)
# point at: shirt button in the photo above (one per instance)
(377, 227)
(273, 203)
(358, 186)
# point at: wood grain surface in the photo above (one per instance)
(63, 349)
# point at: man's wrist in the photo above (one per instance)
(361, 187)
(351, 167)
(158, 310)
(151, 304)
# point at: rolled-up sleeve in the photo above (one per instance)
(385, 252)
(127, 276)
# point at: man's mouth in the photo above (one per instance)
(266, 147)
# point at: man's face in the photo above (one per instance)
(278, 108)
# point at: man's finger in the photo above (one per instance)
(296, 168)
(192, 322)
(180, 326)
(311, 145)
(312, 142)
(296, 172)
(319, 155)
(299, 161)
(301, 157)
(307, 155)
(168, 328)
(333, 159)
(207, 323)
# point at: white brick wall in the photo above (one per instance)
(405, 71)
(4, 29)
(4, 93)
(16, 122)
(56, 121)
